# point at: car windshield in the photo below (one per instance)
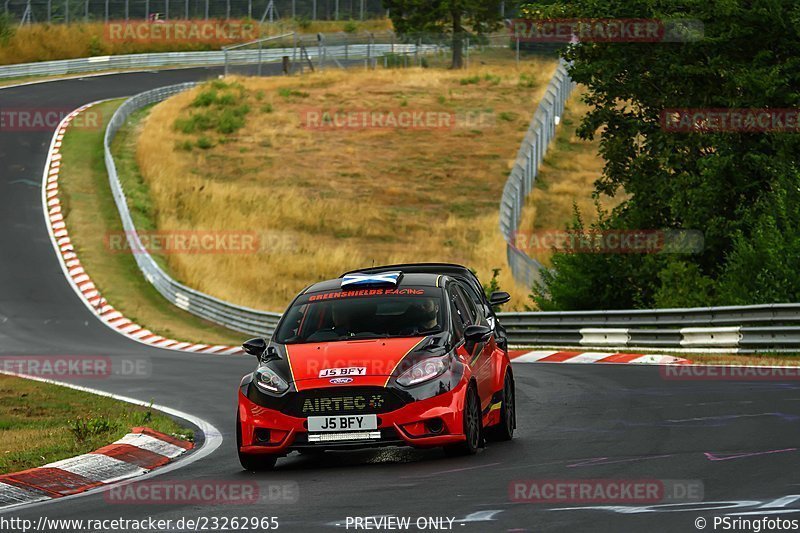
(364, 314)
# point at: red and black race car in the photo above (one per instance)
(403, 355)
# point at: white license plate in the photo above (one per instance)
(342, 423)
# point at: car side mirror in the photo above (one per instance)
(499, 298)
(477, 333)
(255, 347)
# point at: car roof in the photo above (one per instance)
(407, 280)
(421, 268)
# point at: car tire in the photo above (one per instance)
(473, 429)
(249, 461)
(504, 431)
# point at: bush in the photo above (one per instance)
(87, 428)
(351, 26)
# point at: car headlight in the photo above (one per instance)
(269, 380)
(424, 371)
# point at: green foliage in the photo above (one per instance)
(204, 143)
(7, 28)
(87, 428)
(221, 108)
(351, 26)
(739, 189)
(286, 92)
(303, 22)
(456, 18)
(471, 80)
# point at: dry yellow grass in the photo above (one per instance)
(566, 178)
(46, 42)
(328, 201)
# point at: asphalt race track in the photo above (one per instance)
(739, 439)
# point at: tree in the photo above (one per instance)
(446, 17)
(726, 184)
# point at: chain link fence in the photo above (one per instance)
(520, 183)
(54, 11)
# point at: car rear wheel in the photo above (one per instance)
(249, 461)
(472, 427)
(508, 417)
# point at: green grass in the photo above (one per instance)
(91, 215)
(42, 423)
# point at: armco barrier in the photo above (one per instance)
(187, 59)
(771, 327)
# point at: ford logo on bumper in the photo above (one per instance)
(341, 381)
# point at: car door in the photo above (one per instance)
(481, 352)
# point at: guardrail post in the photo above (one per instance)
(259, 58)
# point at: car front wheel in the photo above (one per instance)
(472, 427)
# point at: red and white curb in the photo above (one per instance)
(539, 356)
(79, 279)
(133, 455)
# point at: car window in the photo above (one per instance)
(365, 314)
(475, 316)
(462, 310)
(475, 299)
(458, 315)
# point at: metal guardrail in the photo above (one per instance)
(232, 316)
(520, 182)
(187, 59)
(769, 327)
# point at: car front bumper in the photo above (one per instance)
(405, 426)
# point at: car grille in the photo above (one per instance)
(342, 401)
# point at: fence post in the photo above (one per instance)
(206, 9)
(227, 9)
(517, 52)
(294, 9)
(225, 53)
(127, 10)
(66, 11)
(86, 11)
(363, 6)
(260, 46)
(466, 63)
(49, 10)
(166, 9)
(146, 9)
(314, 10)
(336, 12)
